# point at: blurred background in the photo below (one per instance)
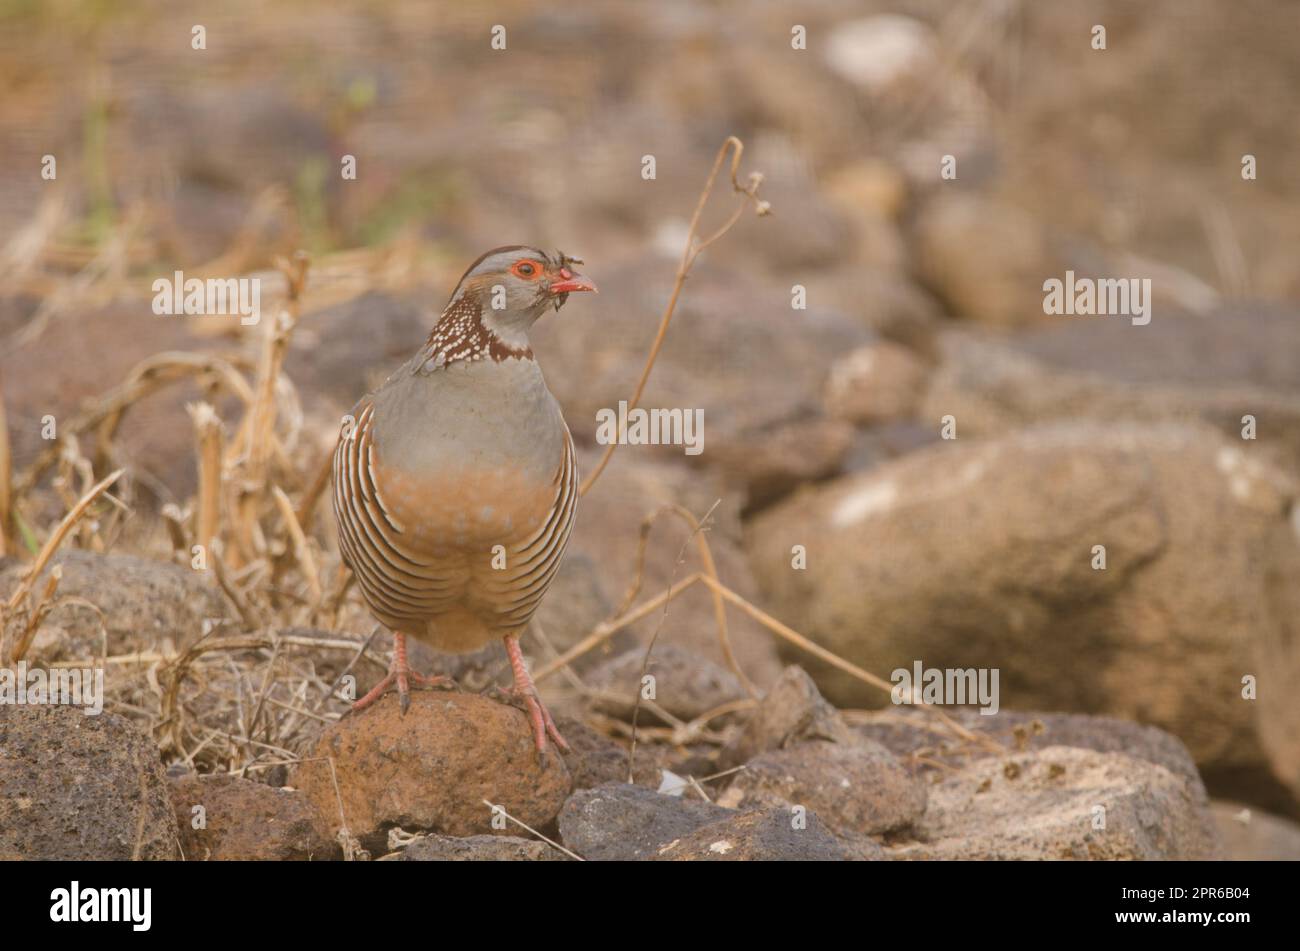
(823, 425)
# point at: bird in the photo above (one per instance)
(456, 481)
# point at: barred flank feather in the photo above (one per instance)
(409, 589)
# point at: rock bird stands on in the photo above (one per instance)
(455, 484)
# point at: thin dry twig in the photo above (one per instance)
(306, 512)
(698, 530)
(301, 550)
(246, 611)
(105, 415)
(555, 845)
(256, 444)
(654, 638)
(36, 616)
(607, 629)
(692, 251)
(23, 591)
(6, 475)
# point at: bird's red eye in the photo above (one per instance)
(526, 269)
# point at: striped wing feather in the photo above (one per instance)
(409, 589)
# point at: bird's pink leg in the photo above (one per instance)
(525, 689)
(401, 674)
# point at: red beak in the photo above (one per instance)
(570, 281)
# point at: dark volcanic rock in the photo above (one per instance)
(479, 848)
(792, 711)
(86, 788)
(144, 602)
(767, 835)
(246, 820)
(618, 821)
(856, 789)
(1064, 803)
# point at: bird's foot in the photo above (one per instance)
(402, 676)
(525, 690)
(403, 680)
(538, 715)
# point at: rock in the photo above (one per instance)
(431, 769)
(878, 52)
(878, 383)
(1242, 343)
(767, 835)
(1166, 630)
(880, 444)
(985, 258)
(792, 711)
(618, 822)
(479, 848)
(862, 848)
(869, 188)
(247, 821)
(907, 730)
(813, 232)
(1215, 369)
(1052, 177)
(855, 789)
(286, 142)
(884, 301)
(336, 364)
(594, 759)
(715, 81)
(686, 684)
(778, 459)
(1063, 803)
(81, 788)
(1253, 836)
(145, 604)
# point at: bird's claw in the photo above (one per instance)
(404, 679)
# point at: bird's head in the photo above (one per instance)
(514, 285)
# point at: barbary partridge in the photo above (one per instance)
(456, 483)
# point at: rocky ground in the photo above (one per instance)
(1148, 708)
(457, 779)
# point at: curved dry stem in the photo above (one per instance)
(607, 629)
(147, 377)
(689, 254)
(169, 714)
(709, 567)
(6, 474)
(838, 662)
(23, 591)
(301, 550)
